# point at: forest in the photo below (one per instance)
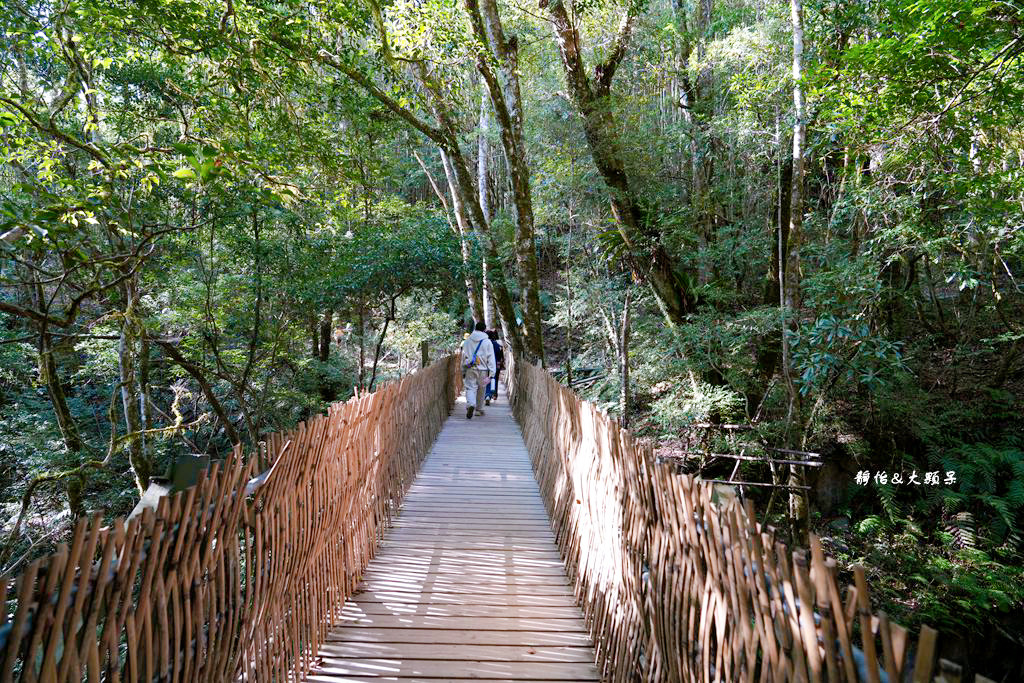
(784, 241)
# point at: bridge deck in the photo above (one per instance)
(469, 584)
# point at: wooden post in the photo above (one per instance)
(424, 354)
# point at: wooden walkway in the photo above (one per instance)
(469, 584)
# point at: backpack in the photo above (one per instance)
(499, 353)
(472, 361)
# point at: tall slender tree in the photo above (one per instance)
(790, 253)
(506, 99)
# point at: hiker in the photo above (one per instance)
(499, 365)
(477, 368)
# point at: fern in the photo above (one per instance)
(1015, 492)
(1017, 461)
(990, 489)
(987, 466)
(1004, 518)
(936, 498)
(951, 501)
(872, 525)
(962, 529)
(892, 509)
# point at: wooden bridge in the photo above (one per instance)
(469, 583)
(387, 541)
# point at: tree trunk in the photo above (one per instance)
(388, 317)
(461, 229)
(467, 191)
(702, 145)
(75, 484)
(314, 336)
(128, 354)
(506, 101)
(784, 194)
(144, 366)
(322, 348)
(204, 385)
(483, 158)
(569, 295)
(488, 298)
(483, 173)
(362, 346)
(69, 432)
(791, 250)
(145, 413)
(476, 305)
(324, 345)
(445, 136)
(48, 373)
(496, 273)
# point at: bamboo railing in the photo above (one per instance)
(676, 585)
(234, 578)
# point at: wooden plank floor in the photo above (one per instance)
(468, 585)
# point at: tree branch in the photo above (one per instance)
(498, 101)
(197, 373)
(572, 59)
(363, 81)
(52, 130)
(606, 70)
(437, 191)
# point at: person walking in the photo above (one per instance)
(477, 368)
(499, 365)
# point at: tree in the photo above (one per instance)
(591, 97)
(506, 100)
(311, 48)
(789, 252)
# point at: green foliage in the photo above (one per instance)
(681, 405)
(872, 525)
(991, 489)
(831, 348)
(239, 184)
(951, 589)
(419, 322)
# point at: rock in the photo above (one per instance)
(841, 524)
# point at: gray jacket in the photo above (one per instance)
(484, 355)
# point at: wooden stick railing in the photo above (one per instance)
(677, 585)
(236, 578)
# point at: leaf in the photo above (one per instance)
(185, 173)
